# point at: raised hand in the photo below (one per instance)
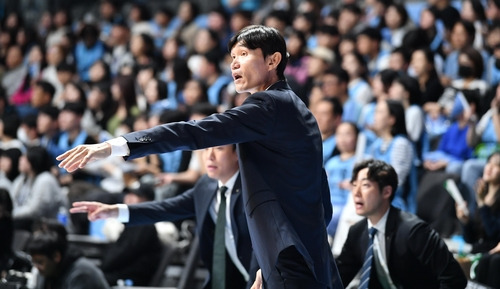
(79, 156)
(95, 210)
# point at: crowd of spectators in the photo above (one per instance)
(416, 87)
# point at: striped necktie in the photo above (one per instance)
(367, 265)
(219, 254)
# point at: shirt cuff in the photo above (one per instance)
(119, 147)
(123, 213)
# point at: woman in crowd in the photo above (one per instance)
(358, 88)
(36, 192)
(393, 146)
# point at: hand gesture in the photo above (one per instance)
(496, 249)
(79, 156)
(95, 210)
(257, 284)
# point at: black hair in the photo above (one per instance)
(49, 237)
(476, 59)
(337, 109)
(387, 76)
(46, 86)
(415, 39)
(469, 28)
(411, 85)
(401, 9)
(13, 154)
(380, 172)
(39, 159)
(266, 38)
(339, 72)
(397, 110)
(11, 123)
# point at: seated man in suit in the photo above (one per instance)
(392, 248)
(201, 202)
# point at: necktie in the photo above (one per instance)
(367, 265)
(219, 254)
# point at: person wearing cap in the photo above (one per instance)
(135, 254)
(320, 60)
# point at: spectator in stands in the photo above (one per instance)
(368, 44)
(14, 77)
(445, 12)
(142, 49)
(296, 70)
(135, 255)
(161, 29)
(397, 24)
(393, 146)
(211, 73)
(59, 265)
(9, 124)
(88, 50)
(406, 90)
(350, 19)
(118, 45)
(399, 59)
(462, 35)
(42, 94)
(9, 167)
(124, 102)
(186, 22)
(328, 114)
(35, 192)
(66, 72)
(338, 170)
(54, 55)
(358, 88)
(61, 25)
(473, 11)
(321, 58)
(138, 18)
(487, 268)
(9, 259)
(481, 227)
(194, 91)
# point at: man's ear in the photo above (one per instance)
(387, 192)
(273, 60)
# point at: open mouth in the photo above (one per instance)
(236, 76)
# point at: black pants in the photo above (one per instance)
(294, 272)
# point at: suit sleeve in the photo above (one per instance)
(172, 209)
(349, 262)
(251, 121)
(431, 251)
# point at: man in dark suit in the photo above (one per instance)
(202, 203)
(284, 185)
(405, 251)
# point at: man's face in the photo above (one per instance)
(37, 97)
(327, 121)
(250, 69)
(45, 265)
(221, 162)
(68, 120)
(368, 199)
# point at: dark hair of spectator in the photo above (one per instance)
(49, 237)
(415, 39)
(337, 109)
(387, 76)
(47, 87)
(351, 7)
(401, 9)
(363, 73)
(6, 223)
(182, 73)
(203, 108)
(144, 13)
(339, 72)
(39, 159)
(372, 33)
(127, 89)
(379, 172)
(476, 59)
(478, 9)
(411, 85)
(469, 29)
(13, 154)
(51, 111)
(11, 123)
(266, 38)
(148, 43)
(302, 38)
(397, 110)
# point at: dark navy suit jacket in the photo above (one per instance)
(416, 256)
(285, 190)
(195, 203)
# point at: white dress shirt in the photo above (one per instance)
(379, 247)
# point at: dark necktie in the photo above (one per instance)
(367, 265)
(219, 255)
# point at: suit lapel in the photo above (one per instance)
(206, 196)
(235, 196)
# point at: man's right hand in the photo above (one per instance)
(79, 156)
(95, 210)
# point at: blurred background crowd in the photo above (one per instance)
(413, 83)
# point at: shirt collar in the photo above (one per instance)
(230, 183)
(380, 226)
